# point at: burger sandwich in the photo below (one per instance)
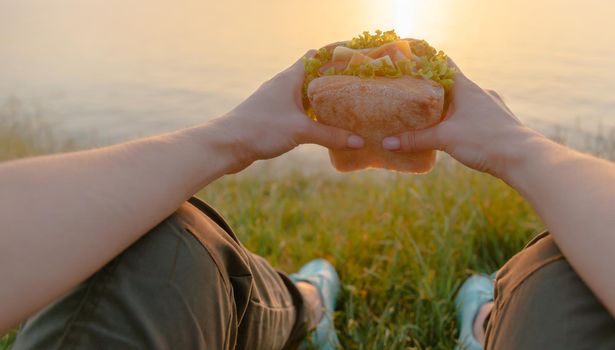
(378, 85)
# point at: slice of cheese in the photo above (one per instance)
(359, 58)
(387, 53)
(342, 53)
(377, 63)
(397, 50)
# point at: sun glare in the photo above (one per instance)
(410, 18)
(404, 16)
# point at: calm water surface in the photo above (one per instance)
(110, 70)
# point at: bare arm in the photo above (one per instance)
(573, 193)
(64, 216)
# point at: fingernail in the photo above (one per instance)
(355, 141)
(391, 143)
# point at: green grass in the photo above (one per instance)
(23, 133)
(402, 244)
(7, 340)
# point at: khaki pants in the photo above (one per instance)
(542, 304)
(189, 284)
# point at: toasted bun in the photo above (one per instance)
(376, 108)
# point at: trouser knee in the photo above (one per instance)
(166, 291)
(541, 303)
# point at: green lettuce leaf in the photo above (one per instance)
(430, 64)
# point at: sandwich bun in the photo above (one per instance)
(378, 85)
(374, 109)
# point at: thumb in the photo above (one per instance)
(331, 137)
(414, 141)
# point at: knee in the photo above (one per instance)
(541, 303)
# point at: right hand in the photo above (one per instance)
(479, 130)
(272, 121)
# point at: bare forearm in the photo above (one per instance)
(574, 194)
(65, 216)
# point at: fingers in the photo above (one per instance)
(462, 82)
(502, 104)
(452, 64)
(295, 73)
(298, 65)
(415, 141)
(330, 137)
(291, 79)
(335, 44)
(497, 96)
(459, 76)
(309, 54)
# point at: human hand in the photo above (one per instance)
(272, 120)
(479, 130)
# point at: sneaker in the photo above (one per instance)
(475, 291)
(321, 274)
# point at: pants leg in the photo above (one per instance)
(187, 284)
(541, 303)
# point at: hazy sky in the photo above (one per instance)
(105, 59)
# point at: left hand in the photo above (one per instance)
(479, 131)
(272, 120)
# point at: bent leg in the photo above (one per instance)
(187, 284)
(541, 303)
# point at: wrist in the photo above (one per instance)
(228, 143)
(521, 155)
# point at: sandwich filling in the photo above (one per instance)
(383, 54)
